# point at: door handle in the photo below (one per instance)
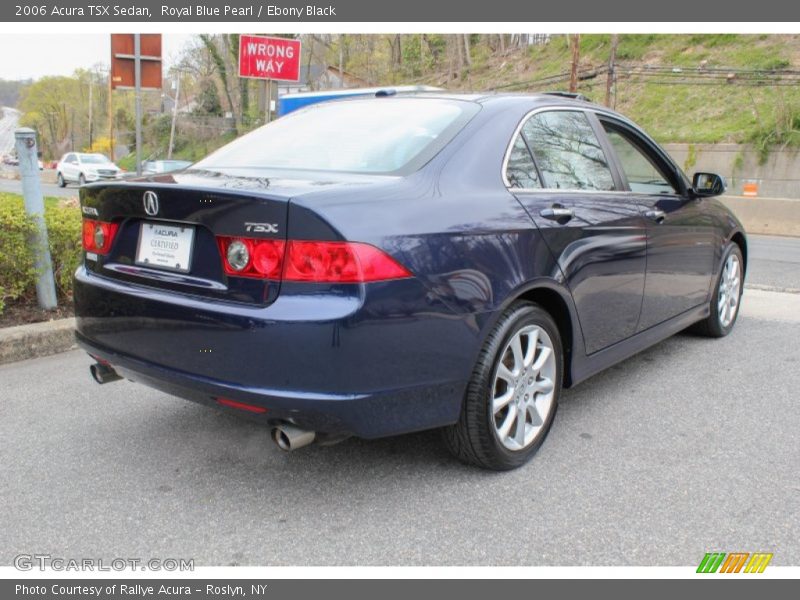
(657, 215)
(557, 213)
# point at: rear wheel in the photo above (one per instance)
(60, 181)
(512, 397)
(724, 308)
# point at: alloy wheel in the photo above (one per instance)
(730, 285)
(523, 388)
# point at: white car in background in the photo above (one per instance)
(81, 168)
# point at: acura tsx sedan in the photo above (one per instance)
(377, 266)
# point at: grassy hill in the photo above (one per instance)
(681, 88)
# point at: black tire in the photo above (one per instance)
(60, 181)
(473, 439)
(81, 180)
(712, 326)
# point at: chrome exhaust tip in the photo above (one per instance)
(104, 373)
(289, 437)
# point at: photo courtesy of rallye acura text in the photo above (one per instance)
(377, 266)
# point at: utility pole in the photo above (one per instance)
(575, 43)
(110, 118)
(28, 155)
(612, 69)
(137, 69)
(91, 82)
(174, 115)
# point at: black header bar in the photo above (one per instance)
(429, 11)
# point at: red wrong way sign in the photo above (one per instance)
(263, 57)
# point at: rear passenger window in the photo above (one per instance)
(521, 171)
(567, 151)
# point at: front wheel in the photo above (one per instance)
(512, 397)
(60, 181)
(81, 180)
(724, 308)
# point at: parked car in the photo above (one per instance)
(372, 267)
(157, 167)
(82, 168)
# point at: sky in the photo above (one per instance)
(31, 56)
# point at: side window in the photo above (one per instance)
(642, 173)
(521, 171)
(567, 151)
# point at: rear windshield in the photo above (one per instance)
(385, 135)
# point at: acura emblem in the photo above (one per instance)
(150, 203)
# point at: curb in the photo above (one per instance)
(36, 339)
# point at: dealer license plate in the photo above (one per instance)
(165, 246)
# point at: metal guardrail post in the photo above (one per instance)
(25, 139)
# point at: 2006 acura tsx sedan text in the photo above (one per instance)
(382, 265)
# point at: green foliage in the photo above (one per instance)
(64, 235)
(691, 158)
(17, 272)
(17, 269)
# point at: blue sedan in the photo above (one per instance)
(377, 266)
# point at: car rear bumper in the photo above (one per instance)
(348, 371)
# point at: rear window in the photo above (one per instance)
(387, 135)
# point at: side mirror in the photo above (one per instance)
(705, 185)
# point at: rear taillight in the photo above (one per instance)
(98, 235)
(308, 261)
(247, 257)
(340, 262)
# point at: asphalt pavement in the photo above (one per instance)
(689, 447)
(48, 189)
(774, 262)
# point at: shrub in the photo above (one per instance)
(64, 234)
(17, 269)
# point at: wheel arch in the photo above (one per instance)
(557, 306)
(739, 239)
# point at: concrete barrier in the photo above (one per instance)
(770, 216)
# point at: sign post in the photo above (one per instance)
(269, 58)
(136, 65)
(34, 206)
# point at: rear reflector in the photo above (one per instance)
(308, 261)
(98, 235)
(253, 408)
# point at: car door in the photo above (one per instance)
(68, 168)
(680, 236)
(558, 170)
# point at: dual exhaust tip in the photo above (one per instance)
(286, 437)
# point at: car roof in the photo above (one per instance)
(532, 100)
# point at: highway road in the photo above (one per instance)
(689, 447)
(9, 119)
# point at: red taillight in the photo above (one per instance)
(265, 257)
(253, 408)
(98, 235)
(308, 261)
(340, 262)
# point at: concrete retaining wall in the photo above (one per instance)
(770, 216)
(778, 178)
